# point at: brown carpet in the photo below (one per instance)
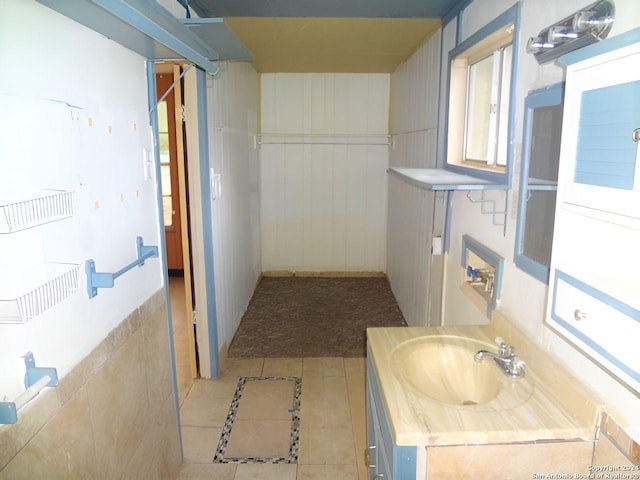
(314, 317)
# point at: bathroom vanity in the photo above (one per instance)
(433, 412)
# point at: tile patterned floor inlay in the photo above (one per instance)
(273, 404)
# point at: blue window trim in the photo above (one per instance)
(512, 15)
(543, 97)
(489, 256)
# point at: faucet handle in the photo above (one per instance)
(504, 348)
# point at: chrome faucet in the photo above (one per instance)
(506, 359)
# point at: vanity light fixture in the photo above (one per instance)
(584, 27)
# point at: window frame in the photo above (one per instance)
(503, 21)
(550, 96)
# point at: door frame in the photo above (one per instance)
(201, 220)
(200, 225)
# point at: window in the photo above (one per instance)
(487, 94)
(479, 102)
(165, 166)
(538, 180)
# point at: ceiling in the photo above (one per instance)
(355, 36)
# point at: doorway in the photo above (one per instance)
(175, 207)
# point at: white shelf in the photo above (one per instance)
(61, 283)
(441, 179)
(48, 206)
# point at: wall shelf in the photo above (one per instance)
(61, 283)
(442, 179)
(49, 206)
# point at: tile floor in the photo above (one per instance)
(332, 412)
(332, 420)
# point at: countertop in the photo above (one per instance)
(558, 408)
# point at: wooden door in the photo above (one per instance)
(169, 169)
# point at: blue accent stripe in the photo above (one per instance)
(622, 307)
(613, 43)
(207, 222)
(606, 153)
(153, 118)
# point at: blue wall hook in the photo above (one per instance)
(33, 375)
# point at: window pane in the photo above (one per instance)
(167, 209)
(479, 110)
(167, 204)
(545, 142)
(163, 141)
(538, 234)
(163, 122)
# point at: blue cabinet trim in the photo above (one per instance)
(613, 43)
(622, 307)
(393, 461)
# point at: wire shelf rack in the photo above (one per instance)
(62, 282)
(50, 206)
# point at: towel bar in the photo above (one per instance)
(97, 280)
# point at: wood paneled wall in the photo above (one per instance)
(233, 121)
(323, 181)
(414, 115)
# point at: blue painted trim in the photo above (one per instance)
(542, 97)
(489, 256)
(185, 5)
(459, 28)
(8, 413)
(512, 15)
(153, 120)
(455, 10)
(494, 177)
(404, 461)
(438, 116)
(513, 98)
(605, 46)
(140, 25)
(622, 307)
(207, 221)
(447, 222)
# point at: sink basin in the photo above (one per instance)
(442, 368)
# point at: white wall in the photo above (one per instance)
(523, 297)
(414, 120)
(232, 98)
(47, 64)
(324, 206)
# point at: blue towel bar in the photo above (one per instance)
(97, 280)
